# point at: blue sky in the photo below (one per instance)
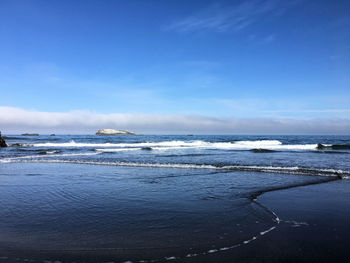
(236, 60)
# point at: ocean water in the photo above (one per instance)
(151, 198)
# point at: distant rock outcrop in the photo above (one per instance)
(52, 134)
(2, 142)
(30, 134)
(113, 132)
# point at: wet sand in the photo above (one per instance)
(313, 227)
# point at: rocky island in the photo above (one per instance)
(30, 134)
(113, 132)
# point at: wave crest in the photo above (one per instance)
(252, 168)
(197, 144)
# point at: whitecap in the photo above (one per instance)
(196, 144)
(118, 150)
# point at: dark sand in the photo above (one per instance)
(314, 227)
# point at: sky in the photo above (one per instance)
(172, 66)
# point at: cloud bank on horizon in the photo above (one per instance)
(15, 120)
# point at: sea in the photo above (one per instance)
(151, 198)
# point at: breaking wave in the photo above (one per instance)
(197, 144)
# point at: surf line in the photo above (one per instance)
(228, 168)
(253, 196)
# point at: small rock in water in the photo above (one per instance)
(2, 142)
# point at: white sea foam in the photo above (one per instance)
(248, 241)
(259, 142)
(46, 156)
(296, 223)
(245, 242)
(253, 168)
(51, 152)
(267, 231)
(118, 150)
(197, 144)
(121, 145)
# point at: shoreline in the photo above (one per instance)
(305, 232)
(300, 236)
(278, 245)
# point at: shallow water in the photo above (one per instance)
(181, 196)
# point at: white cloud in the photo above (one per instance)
(16, 120)
(234, 18)
(269, 39)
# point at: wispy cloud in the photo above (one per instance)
(16, 120)
(224, 18)
(269, 39)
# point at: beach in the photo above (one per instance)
(183, 199)
(313, 227)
